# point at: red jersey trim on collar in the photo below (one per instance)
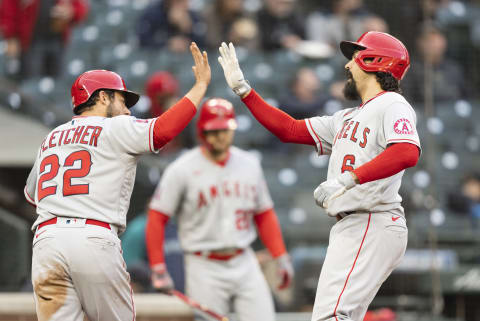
(219, 163)
(225, 161)
(379, 94)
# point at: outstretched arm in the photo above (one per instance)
(172, 122)
(279, 123)
(282, 125)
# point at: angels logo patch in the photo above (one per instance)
(403, 126)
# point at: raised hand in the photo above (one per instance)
(201, 70)
(231, 69)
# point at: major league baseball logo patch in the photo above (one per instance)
(403, 126)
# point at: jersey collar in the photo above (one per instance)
(379, 94)
(219, 163)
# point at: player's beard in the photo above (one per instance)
(216, 152)
(109, 110)
(350, 90)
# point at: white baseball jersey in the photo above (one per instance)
(215, 204)
(86, 168)
(355, 136)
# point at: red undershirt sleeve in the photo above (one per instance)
(391, 161)
(172, 122)
(155, 236)
(270, 232)
(279, 123)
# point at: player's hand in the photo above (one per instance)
(161, 280)
(231, 69)
(333, 188)
(285, 271)
(201, 70)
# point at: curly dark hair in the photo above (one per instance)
(93, 100)
(388, 82)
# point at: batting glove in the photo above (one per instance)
(161, 280)
(333, 188)
(231, 69)
(285, 271)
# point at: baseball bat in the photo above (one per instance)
(194, 304)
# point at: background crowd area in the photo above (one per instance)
(288, 50)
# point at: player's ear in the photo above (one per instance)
(105, 97)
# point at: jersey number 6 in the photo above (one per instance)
(68, 189)
(348, 162)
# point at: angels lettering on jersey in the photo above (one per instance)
(353, 131)
(227, 189)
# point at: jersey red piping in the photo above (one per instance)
(29, 198)
(379, 94)
(319, 141)
(133, 303)
(150, 134)
(402, 139)
(353, 266)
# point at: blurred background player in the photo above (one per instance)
(81, 185)
(219, 196)
(162, 90)
(370, 146)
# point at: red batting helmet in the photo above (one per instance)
(161, 82)
(388, 53)
(89, 82)
(216, 113)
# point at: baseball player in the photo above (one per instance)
(370, 146)
(220, 198)
(81, 185)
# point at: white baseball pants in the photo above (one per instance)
(215, 283)
(78, 272)
(363, 250)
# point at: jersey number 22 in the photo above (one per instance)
(68, 189)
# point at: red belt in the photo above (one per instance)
(218, 256)
(88, 221)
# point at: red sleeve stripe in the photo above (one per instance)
(353, 266)
(403, 140)
(29, 199)
(406, 140)
(317, 139)
(150, 136)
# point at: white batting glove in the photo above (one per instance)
(333, 188)
(231, 69)
(161, 280)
